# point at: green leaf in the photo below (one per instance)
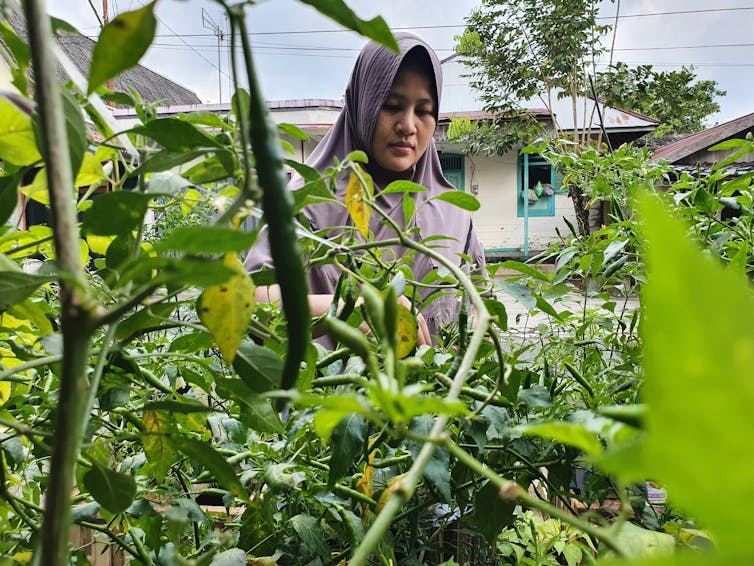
(176, 135)
(546, 307)
(166, 183)
(174, 406)
(165, 160)
(232, 557)
(208, 457)
(17, 141)
(260, 368)
(208, 171)
(206, 240)
(535, 396)
(16, 286)
(206, 118)
(698, 355)
(497, 309)
(113, 490)
(572, 434)
(76, 130)
(637, 542)
(491, 513)
(20, 51)
(338, 11)
(185, 271)
(459, 199)
(191, 342)
(348, 441)
(437, 471)
(113, 214)
(85, 512)
(519, 292)
(403, 187)
(123, 41)
(256, 412)
(151, 315)
(310, 533)
(332, 410)
(293, 131)
(8, 197)
(524, 268)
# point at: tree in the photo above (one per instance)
(676, 98)
(522, 50)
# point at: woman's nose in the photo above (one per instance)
(406, 123)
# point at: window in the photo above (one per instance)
(452, 168)
(533, 169)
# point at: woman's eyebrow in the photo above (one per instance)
(402, 98)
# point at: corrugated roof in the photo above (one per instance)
(151, 86)
(702, 140)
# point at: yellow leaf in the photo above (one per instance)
(156, 443)
(226, 309)
(393, 485)
(37, 190)
(357, 199)
(17, 143)
(31, 311)
(99, 244)
(191, 198)
(22, 557)
(90, 172)
(407, 331)
(364, 485)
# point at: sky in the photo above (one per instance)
(301, 54)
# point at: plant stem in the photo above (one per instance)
(31, 364)
(407, 486)
(511, 491)
(76, 307)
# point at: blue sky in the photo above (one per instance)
(316, 64)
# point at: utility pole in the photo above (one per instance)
(105, 20)
(209, 23)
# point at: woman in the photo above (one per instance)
(391, 112)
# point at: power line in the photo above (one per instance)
(450, 26)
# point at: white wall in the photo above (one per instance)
(497, 222)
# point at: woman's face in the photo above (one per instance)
(405, 123)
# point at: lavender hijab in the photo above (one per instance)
(370, 82)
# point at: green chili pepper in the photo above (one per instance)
(615, 266)
(349, 298)
(277, 204)
(579, 378)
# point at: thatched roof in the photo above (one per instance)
(152, 86)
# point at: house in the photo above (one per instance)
(507, 224)
(75, 54)
(692, 153)
(151, 86)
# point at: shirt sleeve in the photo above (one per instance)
(259, 256)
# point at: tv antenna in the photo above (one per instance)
(209, 23)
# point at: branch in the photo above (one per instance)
(76, 306)
(511, 491)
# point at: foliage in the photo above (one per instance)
(528, 50)
(679, 101)
(380, 451)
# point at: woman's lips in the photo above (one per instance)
(402, 148)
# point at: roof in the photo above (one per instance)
(273, 105)
(702, 140)
(151, 86)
